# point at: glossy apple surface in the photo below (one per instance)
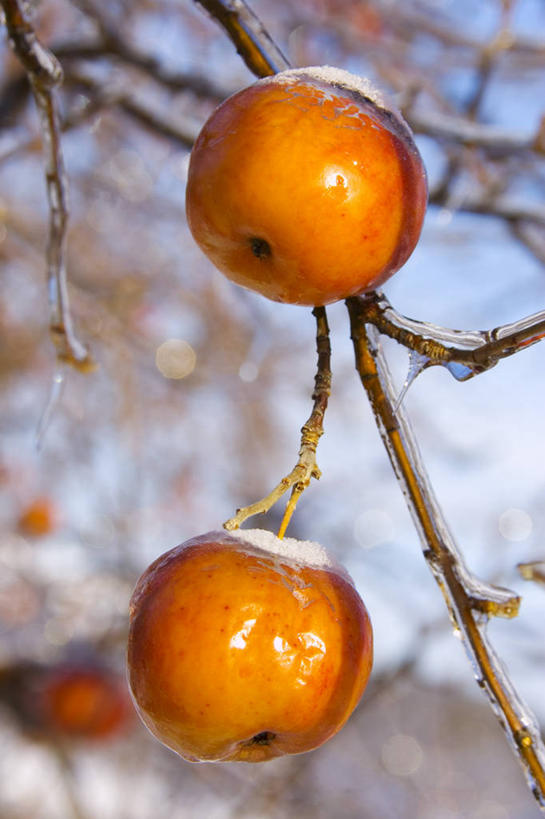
(244, 647)
(306, 187)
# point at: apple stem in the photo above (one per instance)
(306, 467)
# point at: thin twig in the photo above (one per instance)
(306, 467)
(45, 73)
(469, 601)
(246, 31)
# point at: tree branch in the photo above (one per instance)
(248, 34)
(469, 601)
(44, 74)
(464, 353)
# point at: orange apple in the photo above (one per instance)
(84, 702)
(306, 187)
(244, 647)
(39, 518)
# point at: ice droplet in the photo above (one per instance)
(461, 372)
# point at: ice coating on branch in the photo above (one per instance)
(331, 75)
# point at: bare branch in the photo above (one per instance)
(44, 73)
(469, 601)
(464, 352)
(246, 31)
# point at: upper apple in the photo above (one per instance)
(306, 187)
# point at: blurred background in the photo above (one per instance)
(202, 387)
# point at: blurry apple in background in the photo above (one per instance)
(244, 647)
(76, 699)
(39, 518)
(84, 703)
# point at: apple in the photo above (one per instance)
(307, 187)
(83, 702)
(39, 518)
(245, 647)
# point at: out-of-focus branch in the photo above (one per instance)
(130, 105)
(306, 467)
(248, 34)
(409, 22)
(505, 207)
(532, 237)
(475, 351)
(467, 132)
(13, 94)
(469, 601)
(44, 73)
(182, 133)
(111, 44)
(535, 570)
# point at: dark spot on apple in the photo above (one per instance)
(263, 738)
(260, 247)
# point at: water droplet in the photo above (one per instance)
(461, 372)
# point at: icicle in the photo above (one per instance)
(52, 403)
(417, 363)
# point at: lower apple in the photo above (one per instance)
(244, 647)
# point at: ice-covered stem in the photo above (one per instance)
(44, 74)
(465, 352)
(306, 467)
(249, 36)
(470, 602)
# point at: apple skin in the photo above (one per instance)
(306, 187)
(236, 653)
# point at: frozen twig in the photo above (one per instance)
(306, 467)
(469, 601)
(44, 73)
(251, 40)
(465, 353)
